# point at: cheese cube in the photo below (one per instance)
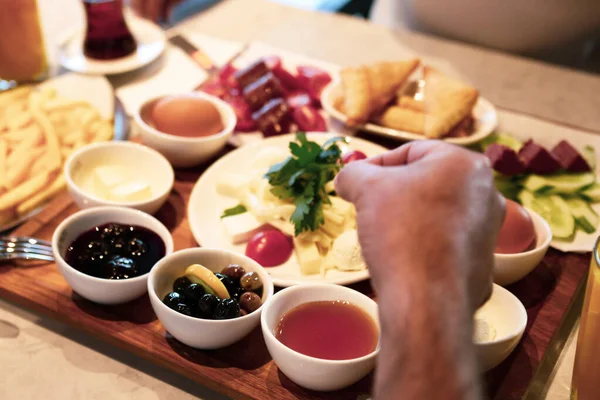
(309, 258)
(232, 184)
(242, 227)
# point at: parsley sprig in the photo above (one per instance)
(302, 178)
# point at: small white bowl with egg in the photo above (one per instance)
(99, 290)
(310, 372)
(499, 326)
(122, 174)
(510, 268)
(196, 332)
(184, 151)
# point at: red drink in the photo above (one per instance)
(332, 330)
(107, 36)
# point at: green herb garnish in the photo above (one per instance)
(302, 177)
(239, 209)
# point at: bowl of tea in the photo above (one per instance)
(188, 129)
(323, 337)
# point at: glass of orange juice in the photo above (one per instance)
(586, 374)
(22, 51)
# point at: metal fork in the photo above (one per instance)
(25, 248)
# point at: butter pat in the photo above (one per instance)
(107, 177)
(133, 191)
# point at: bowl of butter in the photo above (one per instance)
(119, 174)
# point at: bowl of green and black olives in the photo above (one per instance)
(208, 298)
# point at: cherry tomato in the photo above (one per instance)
(309, 119)
(312, 80)
(353, 155)
(288, 81)
(227, 77)
(243, 114)
(270, 248)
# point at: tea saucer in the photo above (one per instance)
(150, 44)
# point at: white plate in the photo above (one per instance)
(484, 114)
(150, 44)
(206, 205)
(95, 90)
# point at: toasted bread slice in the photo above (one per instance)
(410, 103)
(367, 89)
(447, 101)
(403, 119)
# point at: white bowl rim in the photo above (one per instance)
(152, 291)
(309, 286)
(522, 326)
(221, 104)
(168, 241)
(132, 145)
(544, 244)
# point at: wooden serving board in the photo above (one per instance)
(245, 369)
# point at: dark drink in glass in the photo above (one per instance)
(107, 35)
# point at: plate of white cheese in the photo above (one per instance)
(329, 254)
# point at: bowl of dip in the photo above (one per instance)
(324, 337)
(188, 129)
(122, 174)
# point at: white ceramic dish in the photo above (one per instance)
(484, 112)
(510, 268)
(185, 151)
(150, 40)
(196, 332)
(206, 205)
(149, 166)
(98, 290)
(505, 313)
(310, 372)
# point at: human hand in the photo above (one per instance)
(154, 10)
(427, 212)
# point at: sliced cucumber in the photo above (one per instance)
(554, 209)
(591, 193)
(589, 155)
(584, 215)
(507, 187)
(559, 183)
(503, 139)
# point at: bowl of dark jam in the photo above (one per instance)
(106, 253)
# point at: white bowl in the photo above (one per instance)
(98, 290)
(505, 313)
(509, 268)
(310, 372)
(185, 152)
(145, 163)
(196, 332)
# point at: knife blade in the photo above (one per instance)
(197, 54)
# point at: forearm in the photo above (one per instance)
(426, 331)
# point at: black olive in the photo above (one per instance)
(120, 268)
(180, 284)
(193, 293)
(250, 301)
(232, 287)
(206, 306)
(250, 281)
(227, 309)
(183, 309)
(234, 272)
(172, 299)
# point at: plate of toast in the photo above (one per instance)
(408, 101)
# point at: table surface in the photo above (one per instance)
(42, 358)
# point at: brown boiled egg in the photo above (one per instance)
(187, 115)
(517, 233)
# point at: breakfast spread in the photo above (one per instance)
(115, 251)
(201, 293)
(559, 184)
(38, 131)
(287, 203)
(187, 115)
(331, 330)
(271, 99)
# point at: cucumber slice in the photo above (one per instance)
(591, 193)
(503, 139)
(584, 215)
(554, 209)
(589, 155)
(507, 187)
(559, 183)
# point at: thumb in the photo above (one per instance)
(355, 178)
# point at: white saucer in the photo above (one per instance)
(150, 40)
